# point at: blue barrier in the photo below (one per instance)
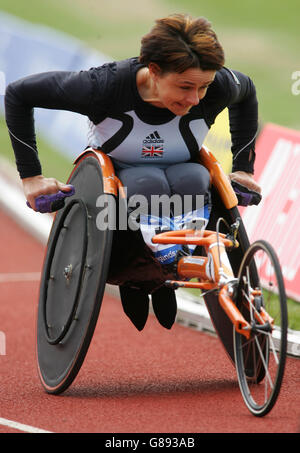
(25, 49)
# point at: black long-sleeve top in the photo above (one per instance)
(130, 130)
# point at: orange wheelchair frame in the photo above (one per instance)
(243, 324)
(221, 275)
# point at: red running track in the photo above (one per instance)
(154, 381)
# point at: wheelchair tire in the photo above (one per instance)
(73, 280)
(220, 321)
(268, 342)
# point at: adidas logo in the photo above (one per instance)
(153, 138)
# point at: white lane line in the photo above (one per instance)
(12, 201)
(20, 277)
(21, 427)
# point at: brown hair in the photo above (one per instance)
(179, 42)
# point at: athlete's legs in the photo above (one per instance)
(146, 181)
(181, 179)
(159, 209)
(189, 179)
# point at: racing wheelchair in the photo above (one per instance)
(241, 284)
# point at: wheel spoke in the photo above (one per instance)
(272, 347)
(264, 363)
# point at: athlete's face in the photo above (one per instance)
(179, 92)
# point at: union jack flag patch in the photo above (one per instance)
(153, 146)
(152, 151)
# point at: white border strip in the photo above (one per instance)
(13, 201)
(21, 427)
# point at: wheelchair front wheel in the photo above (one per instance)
(260, 361)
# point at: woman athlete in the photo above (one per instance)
(150, 114)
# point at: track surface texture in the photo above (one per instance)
(154, 381)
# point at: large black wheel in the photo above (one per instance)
(260, 361)
(73, 280)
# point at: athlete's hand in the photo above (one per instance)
(246, 179)
(39, 185)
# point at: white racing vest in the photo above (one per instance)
(136, 142)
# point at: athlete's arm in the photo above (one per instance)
(36, 186)
(243, 120)
(54, 90)
(236, 91)
(246, 179)
(72, 91)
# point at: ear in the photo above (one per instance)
(154, 70)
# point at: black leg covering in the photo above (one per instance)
(165, 306)
(135, 305)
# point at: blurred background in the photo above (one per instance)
(260, 39)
